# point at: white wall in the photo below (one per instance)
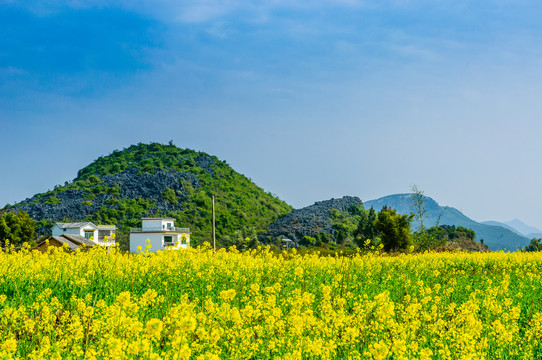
(57, 231)
(82, 232)
(140, 239)
(156, 241)
(157, 223)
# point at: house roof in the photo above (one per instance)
(107, 227)
(73, 241)
(74, 225)
(62, 240)
(78, 239)
(158, 218)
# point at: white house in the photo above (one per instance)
(161, 234)
(92, 232)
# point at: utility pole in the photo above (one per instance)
(214, 240)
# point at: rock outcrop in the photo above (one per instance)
(74, 205)
(310, 220)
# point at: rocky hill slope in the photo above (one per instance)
(311, 220)
(158, 180)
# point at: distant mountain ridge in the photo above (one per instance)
(523, 228)
(495, 237)
(501, 224)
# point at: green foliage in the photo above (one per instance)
(169, 195)
(366, 229)
(308, 241)
(534, 245)
(89, 195)
(394, 229)
(240, 203)
(45, 224)
(17, 228)
(52, 200)
(439, 235)
(422, 238)
(323, 238)
(452, 232)
(123, 241)
(126, 213)
(245, 238)
(344, 225)
(145, 157)
(429, 239)
(418, 207)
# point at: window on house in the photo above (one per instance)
(89, 234)
(169, 226)
(103, 233)
(168, 239)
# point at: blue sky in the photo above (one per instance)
(311, 100)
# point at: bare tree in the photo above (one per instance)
(418, 206)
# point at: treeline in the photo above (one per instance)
(17, 228)
(355, 228)
(386, 230)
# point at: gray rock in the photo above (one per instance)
(310, 220)
(76, 205)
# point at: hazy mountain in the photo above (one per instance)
(522, 228)
(518, 227)
(501, 224)
(495, 237)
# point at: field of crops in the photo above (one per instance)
(196, 304)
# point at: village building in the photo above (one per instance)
(72, 241)
(102, 235)
(160, 233)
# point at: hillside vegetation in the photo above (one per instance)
(159, 180)
(346, 225)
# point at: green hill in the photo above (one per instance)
(495, 237)
(159, 180)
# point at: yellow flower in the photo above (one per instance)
(227, 295)
(123, 298)
(153, 329)
(9, 346)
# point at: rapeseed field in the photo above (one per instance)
(197, 304)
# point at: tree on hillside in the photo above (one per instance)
(423, 239)
(418, 206)
(17, 227)
(344, 223)
(534, 245)
(394, 229)
(366, 227)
